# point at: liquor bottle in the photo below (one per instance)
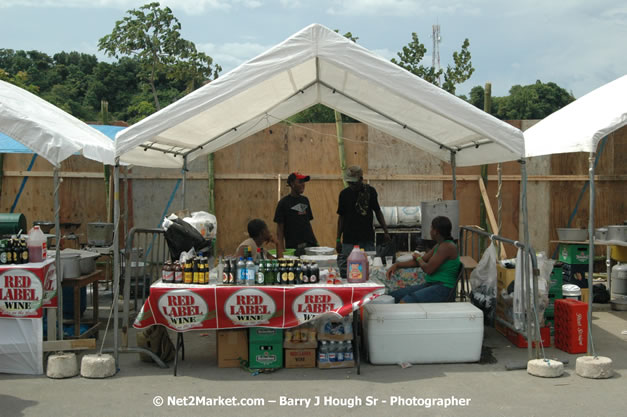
(188, 272)
(277, 272)
(232, 271)
(23, 251)
(314, 275)
(3, 252)
(291, 273)
(178, 273)
(298, 273)
(226, 270)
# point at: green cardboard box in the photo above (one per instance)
(573, 254)
(265, 335)
(265, 355)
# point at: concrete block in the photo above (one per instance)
(62, 365)
(545, 368)
(595, 367)
(97, 366)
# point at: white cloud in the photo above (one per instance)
(231, 54)
(191, 7)
(291, 4)
(401, 7)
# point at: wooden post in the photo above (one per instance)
(340, 143)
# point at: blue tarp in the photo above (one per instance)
(8, 145)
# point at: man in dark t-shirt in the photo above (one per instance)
(293, 217)
(358, 204)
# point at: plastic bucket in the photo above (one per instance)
(571, 291)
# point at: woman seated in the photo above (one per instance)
(259, 234)
(441, 266)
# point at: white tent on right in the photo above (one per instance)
(579, 127)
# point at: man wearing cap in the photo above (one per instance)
(357, 204)
(293, 217)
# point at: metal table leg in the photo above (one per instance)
(357, 340)
(180, 345)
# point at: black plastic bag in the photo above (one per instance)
(182, 236)
(600, 294)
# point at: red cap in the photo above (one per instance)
(297, 176)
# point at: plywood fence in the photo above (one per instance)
(250, 177)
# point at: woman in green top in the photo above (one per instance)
(441, 265)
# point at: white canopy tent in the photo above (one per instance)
(317, 65)
(55, 135)
(579, 127)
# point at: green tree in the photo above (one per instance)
(528, 102)
(152, 35)
(413, 53)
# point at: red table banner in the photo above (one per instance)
(26, 288)
(195, 307)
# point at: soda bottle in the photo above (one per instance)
(232, 271)
(340, 351)
(167, 273)
(250, 272)
(276, 272)
(241, 272)
(306, 272)
(178, 273)
(260, 274)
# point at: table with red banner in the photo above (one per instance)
(185, 307)
(25, 290)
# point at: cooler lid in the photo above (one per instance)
(451, 310)
(380, 312)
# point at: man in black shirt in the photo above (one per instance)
(293, 217)
(357, 204)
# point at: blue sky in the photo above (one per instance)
(579, 44)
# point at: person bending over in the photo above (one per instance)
(440, 264)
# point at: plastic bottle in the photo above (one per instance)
(323, 352)
(36, 245)
(340, 351)
(251, 272)
(332, 351)
(241, 272)
(357, 266)
(348, 353)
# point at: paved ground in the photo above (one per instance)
(489, 389)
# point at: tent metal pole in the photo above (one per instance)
(184, 172)
(591, 162)
(527, 294)
(57, 259)
(453, 167)
(116, 258)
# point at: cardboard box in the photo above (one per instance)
(300, 358)
(232, 346)
(301, 337)
(504, 277)
(265, 335)
(265, 355)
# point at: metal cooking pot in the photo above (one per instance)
(617, 232)
(100, 234)
(70, 265)
(600, 233)
(88, 262)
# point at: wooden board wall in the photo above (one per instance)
(611, 200)
(82, 200)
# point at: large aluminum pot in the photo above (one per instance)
(70, 265)
(571, 234)
(617, 232)
(600, 233)
(100, 234)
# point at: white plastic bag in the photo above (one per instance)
(483, 278)
(205, 223)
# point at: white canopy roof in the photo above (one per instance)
(47, 130)
(580, 126)
(317, 65)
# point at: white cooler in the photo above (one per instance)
(423, 333)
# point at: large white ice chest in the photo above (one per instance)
(423, 333)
